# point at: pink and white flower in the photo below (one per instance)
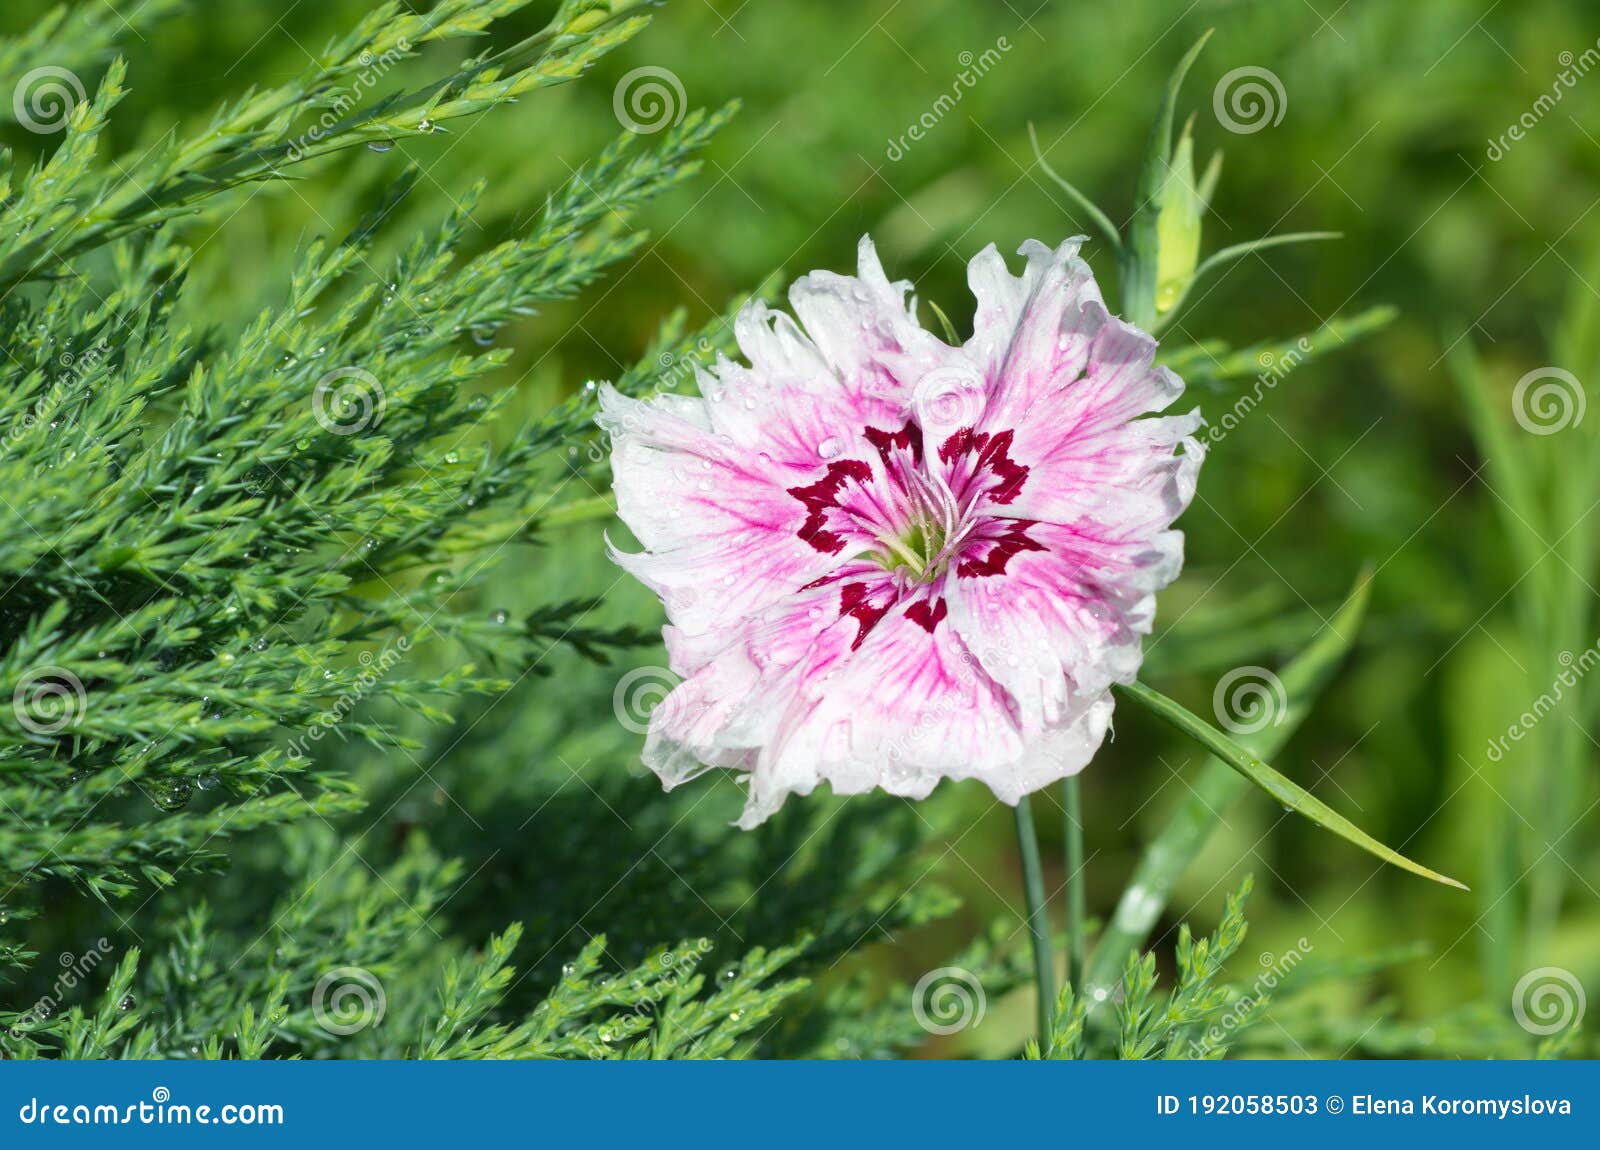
(886, 560)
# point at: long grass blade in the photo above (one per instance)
(1174, 848)
(1285, 790)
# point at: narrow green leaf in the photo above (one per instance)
(950, 335)
(1234, 252)
(1287, 792)
(1174, 848)
(1178, 225)
(1520, 511)
(1213, 362)
(1140, 255)
(1100, 219)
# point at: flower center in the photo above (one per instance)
(935, 523)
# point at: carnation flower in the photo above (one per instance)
(886, 560)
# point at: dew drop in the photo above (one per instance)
(828, 448)
(499, 617)
(175, 796)
(380, 145)
(128, 1003)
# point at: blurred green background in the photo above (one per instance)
(1367, 455)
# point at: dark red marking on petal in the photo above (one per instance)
(823, 494)
(908, 437)
(927, 614)
(1014, 539)
(853, 601)
(993, 454)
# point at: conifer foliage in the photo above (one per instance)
(313, 737)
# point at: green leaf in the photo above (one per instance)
(1234, 252)
(1287, 792)
(1178, 225)
(1214, 362)
(1141, 253)
(1101, 220)
(950, 335)
(1180, 840)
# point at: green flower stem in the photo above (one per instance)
(1077, 897)
(1038, 919)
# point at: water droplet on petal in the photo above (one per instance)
(829, 447)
